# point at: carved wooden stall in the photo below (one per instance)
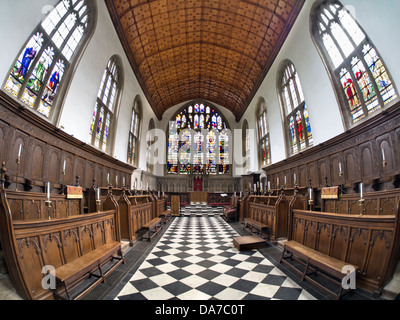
(30, 245)
(369, 242)
(37, 152)
(271, 211)
(135, 212)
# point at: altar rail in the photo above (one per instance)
(29, 246)
(370, 242)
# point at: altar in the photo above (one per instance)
(199, 196)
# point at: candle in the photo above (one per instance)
(108, 178)
(255, 187)
(277, 182)
(269, 185)
(48, 190)
(240, 194)
(361, 189)
(340, 167)
(383, 155)
(294, 178)
(158, 193)
(123, 181)
(285, 180)
(98, 193)
(20, 151)
(310, 193)
(116, 180)
(65, 165)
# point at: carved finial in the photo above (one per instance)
(3, 174)
(94, 184)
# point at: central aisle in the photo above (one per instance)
(196, 260)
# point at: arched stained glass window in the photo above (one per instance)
(199, 142)
(360, 76)
(297, 120)
(106, 106)
(134, 132)
(42, 66)
(263, 134)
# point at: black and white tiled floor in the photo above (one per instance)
(195, 260)
(199, 209)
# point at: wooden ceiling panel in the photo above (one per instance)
(217, 50)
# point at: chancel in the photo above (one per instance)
(199, 150)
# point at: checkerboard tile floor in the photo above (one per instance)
(200, 209)
(195, 260)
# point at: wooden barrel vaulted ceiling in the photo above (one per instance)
(216, 50)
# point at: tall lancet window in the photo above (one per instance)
(263, 134)
(297, 121)
(133, 145)
(106, 106)
(360, 76)
(44, 65)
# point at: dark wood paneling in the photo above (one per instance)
(44, 149)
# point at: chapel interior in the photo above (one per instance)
(199, 150)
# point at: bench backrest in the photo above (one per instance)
(32, 206)
(376, 203)
(370, 242)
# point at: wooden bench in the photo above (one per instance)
(255, 227)
(72, 273)
(151, 229)
(165, 216)
(315, 262)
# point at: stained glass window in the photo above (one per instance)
(193, 148)
(297, 118)
(134, 132)
(40, 68)
(356, 66)
(103, 114)
(263, 132)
